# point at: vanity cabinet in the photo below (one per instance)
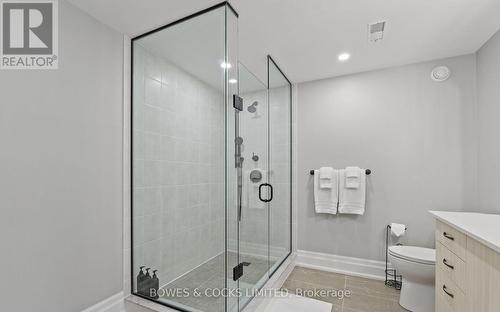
(467, 271)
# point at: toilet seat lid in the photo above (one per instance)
(414, 254)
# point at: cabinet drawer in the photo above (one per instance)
(452, 239)
(448, 294)
(451, 265)
(442, 305)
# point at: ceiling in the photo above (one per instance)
(195, 46)
(305, 37)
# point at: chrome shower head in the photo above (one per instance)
(253, 108)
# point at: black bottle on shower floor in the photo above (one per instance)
(154, 286)
(140, 280)
(143, 283)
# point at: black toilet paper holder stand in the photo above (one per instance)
(392, 278)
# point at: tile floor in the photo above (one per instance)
(211, 275)
(366, 295)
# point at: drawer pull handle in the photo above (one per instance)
(448, 293)
(448, 236)
(448, 265)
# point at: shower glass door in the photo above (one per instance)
(254, 221)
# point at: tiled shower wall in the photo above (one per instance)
(178, 168)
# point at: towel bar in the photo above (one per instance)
(367, 171)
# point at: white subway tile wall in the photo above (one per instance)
(178, 168)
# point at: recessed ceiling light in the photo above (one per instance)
(440, 73)
(344, 57)
(226, 65)
(233, 81)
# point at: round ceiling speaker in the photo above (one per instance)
(440, 73)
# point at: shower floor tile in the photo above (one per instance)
(209, 276)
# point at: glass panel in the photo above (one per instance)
(280, 165)
(232, 177)
(178, 160)
(255, 213)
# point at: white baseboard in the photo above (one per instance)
(371, 269)
(114, 303)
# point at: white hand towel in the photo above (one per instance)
(326, 177)
(352, 200)
(326, 199)
(352, 175)
(398, 229)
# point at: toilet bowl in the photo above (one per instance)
(416, 265)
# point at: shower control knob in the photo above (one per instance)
(255, 176)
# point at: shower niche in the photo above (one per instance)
(211, 166)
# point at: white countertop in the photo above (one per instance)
(483, 227)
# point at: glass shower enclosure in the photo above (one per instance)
(211, 166)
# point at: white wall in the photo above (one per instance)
(488, 94)
(61, 173)
(416, 135)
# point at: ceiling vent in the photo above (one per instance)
(376, 31)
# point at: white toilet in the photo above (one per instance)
(416, 265)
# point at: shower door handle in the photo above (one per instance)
(270, 193)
